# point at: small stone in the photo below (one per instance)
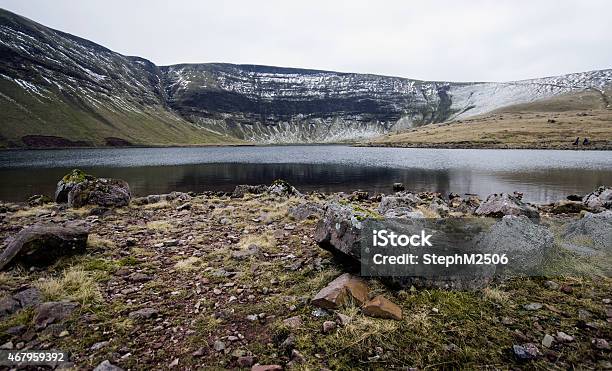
(144, 313)
(63, 334)
(600, 344)
(245, 361)
(252, 317)
(382, 307)
(398, 187)
(584, 314)
(297, 356)
(50, 312)
(107, 366)
(8, 345)
(185, 206)
(343, 319)
(507, 321)
(98, 345)
(451, 348)
(29, 297)
(16, 330)
(219, 346)
(138, 277)
(562, 337)
(319, 312)
(525, 352)
(532, 306)
(174, 363)
(328, 326)
(547, 341)
(267, 368)
(293, 322)
(551, 285)
(288, 344)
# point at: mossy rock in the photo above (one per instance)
(68, 182)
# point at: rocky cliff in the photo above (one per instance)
(55, 85)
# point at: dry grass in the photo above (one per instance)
(74, 284)
(158, 205)
(265, 241)
(519, 126)
(495, 295)
(96, 242)
(189, 264)
(32, 211)
(159, 225)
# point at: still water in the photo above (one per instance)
(542, 175)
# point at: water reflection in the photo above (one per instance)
(538, 185)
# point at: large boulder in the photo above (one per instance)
(101, 192)
(524, 242)
(593, 231)
(499, 205)
(599, 199)
(41, 245)
(68, 182)
(340, 231)
(283, 188)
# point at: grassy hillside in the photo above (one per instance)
(68, 117)
(551, 123)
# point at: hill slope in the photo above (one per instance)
(552, 123)
(57, 89)
(75, 92)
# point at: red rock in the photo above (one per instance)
(266, 368)
(340, 291)
(382, 307)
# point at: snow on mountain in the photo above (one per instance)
(52, 78)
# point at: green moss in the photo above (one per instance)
(128, 261)
(76, 176)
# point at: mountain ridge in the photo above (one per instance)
(57, 85)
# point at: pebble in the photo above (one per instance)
(328, 326)
(547, 341)
(99, 345)
(551, 285)
(293, 322)
(562, 337)
(525, 352)
(600, 344)
(219, 346)
(532, 306)
(245, 361)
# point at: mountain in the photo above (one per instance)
(58, 89)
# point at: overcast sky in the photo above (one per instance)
(467, 40)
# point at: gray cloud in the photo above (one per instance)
(474, 40)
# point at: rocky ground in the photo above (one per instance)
(213, 281)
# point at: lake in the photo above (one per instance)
(542, 175)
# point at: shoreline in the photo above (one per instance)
(357, 144)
